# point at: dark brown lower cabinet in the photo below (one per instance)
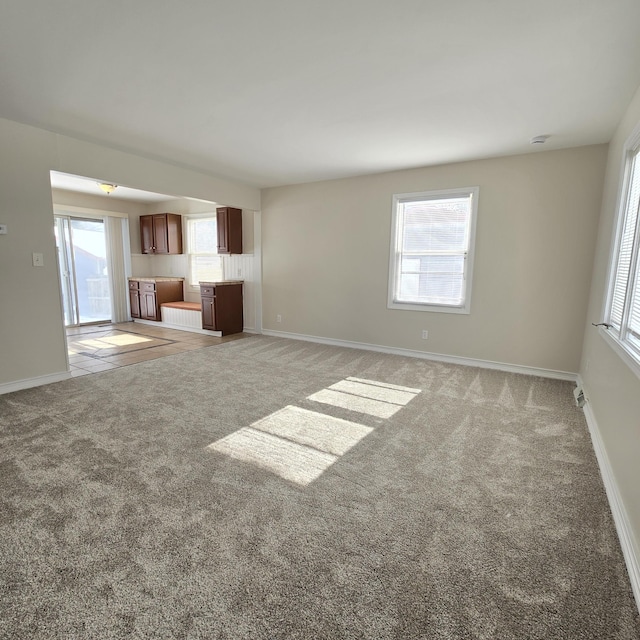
(208, 312)
(146, 296)
(134, 298)
(149, 309)
(222, 307)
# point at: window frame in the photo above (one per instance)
(396, 237)
(192, 254)
(616, 339)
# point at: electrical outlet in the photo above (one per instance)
(425, 334)
(278, 318)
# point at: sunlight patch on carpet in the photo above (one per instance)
(366, 396)
(376, 390)
(317, 430)
(299, 445)
(290, 460)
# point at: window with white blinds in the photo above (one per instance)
(205, 265)
(623, 309)
(432, 250)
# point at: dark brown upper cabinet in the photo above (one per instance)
(161, 233)
(229, 221)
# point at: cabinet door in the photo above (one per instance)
(229, 221)
(222, 222)
(174, 233)
(228, 308)
(142, 301)
(234, 230)
(160, 237)
(146, 234)
(148, 309)
(208, 313)
(134, 301)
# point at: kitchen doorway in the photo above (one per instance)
(84, 278)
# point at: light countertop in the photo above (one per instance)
(219, 284)
(155, 279)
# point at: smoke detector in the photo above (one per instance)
(539, 139)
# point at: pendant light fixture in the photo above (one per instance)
(107, 187)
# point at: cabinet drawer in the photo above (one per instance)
(134, 284)
(207, 291)
(148, 286)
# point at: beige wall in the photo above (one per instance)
(326, 257)
(612, 388)
(31, 325)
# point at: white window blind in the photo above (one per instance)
(624, 300)
(205, 265)
(430, 261)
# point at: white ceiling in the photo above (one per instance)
(90, 186)
(289, 91)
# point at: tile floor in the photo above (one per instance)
(94, 348)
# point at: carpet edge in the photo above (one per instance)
(426, 355)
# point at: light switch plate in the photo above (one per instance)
(38, 260)
(3, 229)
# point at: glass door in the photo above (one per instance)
(84, 278)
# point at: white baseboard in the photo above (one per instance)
(630, 546)
(425, 355)
(18, 385)
(178, 327)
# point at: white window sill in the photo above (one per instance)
(412, 306)
(628, 357)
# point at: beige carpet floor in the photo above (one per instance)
(272, 489)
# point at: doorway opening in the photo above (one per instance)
(84, 277)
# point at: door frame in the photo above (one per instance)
(69, 260)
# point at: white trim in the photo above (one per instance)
(631, 145)
(179, 327)
(630, 546)
(434, 308)
(191, 286)
(257, 269)
(180, 317)
(204, 332)
(18, 385)
(425, 355)
(616, 236)
(629, 358)
(86, 212)
(399, 198)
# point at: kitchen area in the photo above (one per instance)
(180, 263)
(162, 298)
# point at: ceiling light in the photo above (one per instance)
(539, 139)
(107, 188)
